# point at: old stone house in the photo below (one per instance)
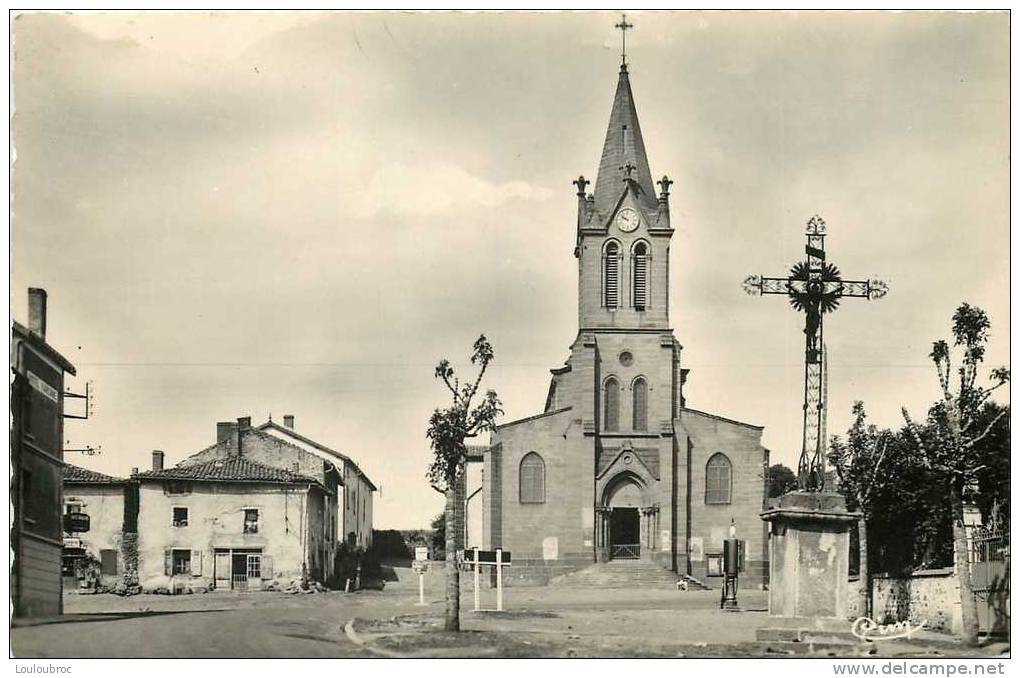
(109, 539)
(231, 523)
(281, 446)
(617, 466)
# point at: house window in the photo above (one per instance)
(611, 402)
(718, 474)
(181, 561)
(251, 521)
(640, 410)
(254, 566)
(532, 479)
(180, 516)
(639, 269)
(611, 275)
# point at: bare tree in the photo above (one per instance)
(947, 442)
(448, 429)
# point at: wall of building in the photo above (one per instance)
(556, 536)
(37, 457)
(216, 520)
(707, 435)
(357, 507)
(931, 597)
(104, 505)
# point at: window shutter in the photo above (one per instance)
(612, 279)
(168, 562)
(640, 282)
(108, 561)
(267, 567)
(196, 563)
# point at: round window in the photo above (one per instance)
(626, 358)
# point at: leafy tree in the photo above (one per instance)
(437, 541)
(781, 480)
(858, 463)
(949, 443)
(448, 428)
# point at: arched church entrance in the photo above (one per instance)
(624, 499)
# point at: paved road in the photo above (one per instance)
(311, 625)
(252, 626)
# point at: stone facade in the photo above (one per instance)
(289, 536)
(615, 466)
(104, 504)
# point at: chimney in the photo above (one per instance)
(288, 420)
(157, 460)
(37, 311)
(225, 431)
(243, 425)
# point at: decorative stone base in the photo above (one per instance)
(807, 630)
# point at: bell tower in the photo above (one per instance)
(623, 230)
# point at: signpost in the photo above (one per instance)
(498, 558)
(421, 566)
(76, 522)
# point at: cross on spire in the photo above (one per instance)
(624, 27)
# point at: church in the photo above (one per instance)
(617, 467)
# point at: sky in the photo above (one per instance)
(255, 214)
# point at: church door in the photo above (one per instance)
(625, 533)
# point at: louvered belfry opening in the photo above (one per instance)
(611, 276)
(640, 272)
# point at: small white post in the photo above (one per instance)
(499, 580)
(477, 593)
(421, 587)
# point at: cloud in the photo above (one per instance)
(432, 189)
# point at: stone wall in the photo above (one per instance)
(929, 596)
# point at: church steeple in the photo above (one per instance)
(624, 163)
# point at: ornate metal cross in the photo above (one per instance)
(624, 26)
(815, 288)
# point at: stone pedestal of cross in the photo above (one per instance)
(814, 287)
(809, 529)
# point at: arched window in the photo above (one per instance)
(718, 477)
(639, 272)
(611, 275)
(640, 410)
(611, 403)
(532, 490)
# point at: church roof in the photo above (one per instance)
(624, 145)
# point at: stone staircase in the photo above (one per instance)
(623, 574)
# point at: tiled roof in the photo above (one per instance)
(231, 469)
(272, 425)
(76, 474)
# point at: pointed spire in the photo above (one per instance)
(624, 162)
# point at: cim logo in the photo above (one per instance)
(866, 628)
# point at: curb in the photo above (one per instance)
(353, 636)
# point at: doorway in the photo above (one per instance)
(624, 534)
